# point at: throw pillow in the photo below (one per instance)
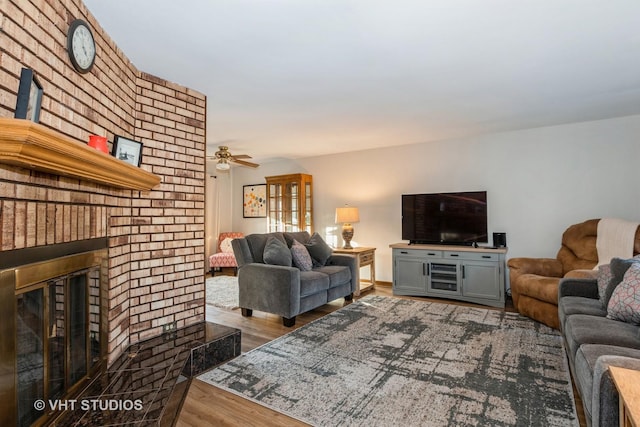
(619, 267)
(225, 246)
(604, 278)
(301, 257)
(300, 236)
(276, 252)
(319, 250)
(624, 304)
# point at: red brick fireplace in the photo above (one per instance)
(155, 236)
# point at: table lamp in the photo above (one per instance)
(346, 216)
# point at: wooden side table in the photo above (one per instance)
(627, 382)
(364, 256)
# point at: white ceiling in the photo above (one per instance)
(298, 78)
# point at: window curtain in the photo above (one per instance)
(212, 217)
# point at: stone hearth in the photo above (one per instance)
(148, 382)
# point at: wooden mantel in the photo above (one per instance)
(31, 145)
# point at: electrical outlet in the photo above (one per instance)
(169, 327)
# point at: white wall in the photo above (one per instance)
(538, 182)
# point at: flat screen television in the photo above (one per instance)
(445, 218)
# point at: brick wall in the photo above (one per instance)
(156, 238)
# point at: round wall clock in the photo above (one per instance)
(81, 46)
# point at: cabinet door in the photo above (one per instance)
(481, 280)
(409, 275)
(290, 201)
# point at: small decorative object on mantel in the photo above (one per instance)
(128, 150)
(29, 96)
(346, 216)
(99, 143)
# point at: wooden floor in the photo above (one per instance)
(207, 405)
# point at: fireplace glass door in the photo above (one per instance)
(59, 322)
(30, 354)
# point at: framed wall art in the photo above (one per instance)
(128, 150)
(29, 96)
(254, 201)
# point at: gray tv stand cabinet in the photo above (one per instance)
(456, 272)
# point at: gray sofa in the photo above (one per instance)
(285, 290)
(594, 342)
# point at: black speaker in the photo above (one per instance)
(500, 240)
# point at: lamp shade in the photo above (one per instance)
(223, 165)
(347, 215)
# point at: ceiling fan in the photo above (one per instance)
(225, 157)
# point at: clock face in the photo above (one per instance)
(81, 46)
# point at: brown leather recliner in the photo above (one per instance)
(534, 281)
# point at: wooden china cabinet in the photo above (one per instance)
(290, 202)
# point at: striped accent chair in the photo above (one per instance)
(224, 256)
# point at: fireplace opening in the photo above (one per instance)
(54, 339)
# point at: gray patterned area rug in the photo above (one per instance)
(222, 291)
(382, 361)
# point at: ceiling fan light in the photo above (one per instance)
(222, 165)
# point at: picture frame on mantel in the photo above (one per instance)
(29, 96)
(254, 201)
(127, 150)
